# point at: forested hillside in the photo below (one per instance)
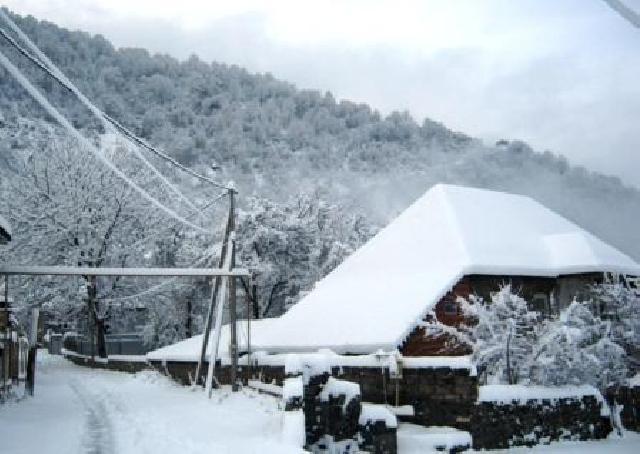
(315, 175)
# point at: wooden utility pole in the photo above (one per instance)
(233, 349)
(215, 288)
(227, 259)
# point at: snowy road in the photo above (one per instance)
(79, 410)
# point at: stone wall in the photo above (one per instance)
(334, 420)
(501, 425)
(117, 365)
(628, 398)
(440, 396)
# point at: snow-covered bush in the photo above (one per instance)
(577, 348)
(512, 344)
(503, 335)
(618, 301)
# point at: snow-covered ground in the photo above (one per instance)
(79, 410)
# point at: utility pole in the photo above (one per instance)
(227, 260)
(232, 298)
(215, 288)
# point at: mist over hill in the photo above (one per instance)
(277, 141)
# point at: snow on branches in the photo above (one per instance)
(589, 342)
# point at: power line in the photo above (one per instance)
(53, 71)
(66, 83)
(154, 288)
(15, 72)
(626, 12)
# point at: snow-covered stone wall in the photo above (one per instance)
(507, 416)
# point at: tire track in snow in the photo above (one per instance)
(98, 437)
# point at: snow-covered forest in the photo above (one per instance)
(316, 178)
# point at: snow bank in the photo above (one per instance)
(268, 388)
(520, 394)
(414, 438)
(293, 429)
(371, 413)
(292, 388)
(335, 388)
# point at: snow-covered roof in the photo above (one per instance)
(376, 297)
(5, 230)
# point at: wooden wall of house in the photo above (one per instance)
(447, 311)
(546, 295)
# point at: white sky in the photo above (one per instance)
(563, 75)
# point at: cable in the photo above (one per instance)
(15, 72)
(65, 82)
(154, 288)
(626, 12)
(54, 72)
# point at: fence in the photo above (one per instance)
(117, 344)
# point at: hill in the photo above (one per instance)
(277, 141)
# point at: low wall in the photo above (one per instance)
(507, 416)
(442, 391)
(132, 364)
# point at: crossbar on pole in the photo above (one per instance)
(10, 270)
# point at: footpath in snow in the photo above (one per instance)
(81, 410)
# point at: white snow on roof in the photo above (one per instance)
(375, 298)
(4, 225)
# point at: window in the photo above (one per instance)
(540, 303)
(450, 308)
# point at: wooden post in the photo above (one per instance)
(249, 311)
(6, 356)
(215, 288)
(232, 299)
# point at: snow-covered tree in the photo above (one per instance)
(617, 300)
(577, 348)
(291, 246)
(503, 334)
(69, 210)
(512, 344)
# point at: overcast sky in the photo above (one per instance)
(563, 75)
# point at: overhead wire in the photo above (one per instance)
(625, 11)
(157, 287)
(38, 97)
(67, 84)
(109, 123)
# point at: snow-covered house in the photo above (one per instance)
(451, 242)
(5, 231)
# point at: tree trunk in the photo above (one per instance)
(509, 375)
(101, 336)
(188, 324)
(99, 330)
